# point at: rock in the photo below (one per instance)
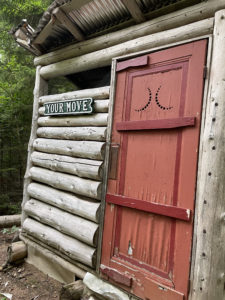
(104, 289)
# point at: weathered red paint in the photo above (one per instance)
(135, 62)
(156, 124)
(117, 276)
(145, 236)
(156, 208)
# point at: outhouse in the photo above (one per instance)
(125, 180)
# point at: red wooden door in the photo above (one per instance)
(149, 206)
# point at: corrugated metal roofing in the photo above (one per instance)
(99, 14)
(93, 17)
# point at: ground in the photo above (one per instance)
(24, 282)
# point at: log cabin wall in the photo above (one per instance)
(61, 207)
(209, 227)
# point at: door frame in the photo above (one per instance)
(110, 121)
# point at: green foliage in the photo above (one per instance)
(13, 229)
(15, 10)
(17, 75)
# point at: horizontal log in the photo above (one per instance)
(100, 106)
(8, 221)
(77, 227)
(78, 205)
(74, 133)
(104, 57)
(54, 258)
(78, 166)
(85, 149)
(167, 21)
(69, 246)
(100, 119)
(16, 251)
(77, 185)
(96, 93)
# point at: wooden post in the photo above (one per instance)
(40, 89)
(106, 162)
(208, 258)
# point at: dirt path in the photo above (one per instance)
(25, 282)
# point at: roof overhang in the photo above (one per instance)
(71, 21)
